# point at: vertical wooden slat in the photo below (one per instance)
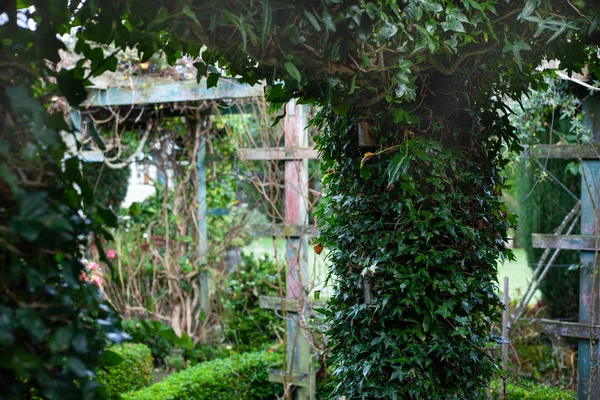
(588, 278)
(505, 330)
(296, 193)
(202, 228)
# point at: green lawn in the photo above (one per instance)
(517, 271)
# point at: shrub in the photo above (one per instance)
(248, 327)
(528, 391)
(241, 376)
(133, 373)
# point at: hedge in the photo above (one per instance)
(241, 376)
(133, 373)
(531, 391)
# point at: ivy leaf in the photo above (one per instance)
(212, 80)
(110, 359)
(452, 23)
(328, 21)
(311, 18)
(200, 70)
(95, 136)
(293, 71)
(386, 32)
(188, 11)
(516, 49)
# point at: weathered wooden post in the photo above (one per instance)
(201, 215)
(589, 304)
(587, 329)
(297, 274)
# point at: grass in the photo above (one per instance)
(518, 271)
(519, 275)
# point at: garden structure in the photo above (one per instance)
(143, 94)
(412, 128)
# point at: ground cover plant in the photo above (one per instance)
(132, 373)
(411, 125)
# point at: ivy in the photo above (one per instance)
(414, 229)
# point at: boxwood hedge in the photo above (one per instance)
(241, 376)
(531, 391)
(133, 373)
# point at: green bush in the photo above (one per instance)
(529, 391)
(247, 326)
(133, 373)
(241, 376)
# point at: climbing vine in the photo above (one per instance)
(411, 125)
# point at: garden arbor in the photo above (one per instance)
(412, 217)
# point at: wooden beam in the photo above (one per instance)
(569, 329)
(296, 379)
(278, 153)
(585, 151)
(143, 90)
(565, 242)
(283, 230)
(277, 303)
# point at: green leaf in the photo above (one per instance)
(265, 28)
(188, 11)
(77, 367)
(94, 134)
(71, 87)
(110, 359)
(293, 71)
(386, 32)
(328, 21)
(452, 23)
(516, 49)
(201, 70)
(311, 18)
(212, 80)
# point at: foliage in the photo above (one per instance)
(519, 391)
(109, 185)
(428, 79)
(248, 326)
(160, 268)
(241, 376)
(550, 116)
(539, 358)
(132, 373)
(53, 326)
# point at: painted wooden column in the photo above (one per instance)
(202, 227)
(589, 304)
(296, 197)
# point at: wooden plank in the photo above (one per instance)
(296, 379)
(277, 303)
(280, 230)
(278, 153)
(569, 329)
(588, 379)
(146, 90)
(565, 242)
(585, 151)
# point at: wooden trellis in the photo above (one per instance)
(587, 330)
(300, 366)
(143, 91)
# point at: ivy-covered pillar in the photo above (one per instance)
(415, 227)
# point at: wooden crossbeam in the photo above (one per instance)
(296, 379)
(278, 153)
(277, 303)
(569, 329)
(585, 151)
(565, 242)
(284, 230)
(142, 90)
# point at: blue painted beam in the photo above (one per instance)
(588, 384)
(149, 90)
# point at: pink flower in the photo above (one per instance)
(111, 254)
(92, 266)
